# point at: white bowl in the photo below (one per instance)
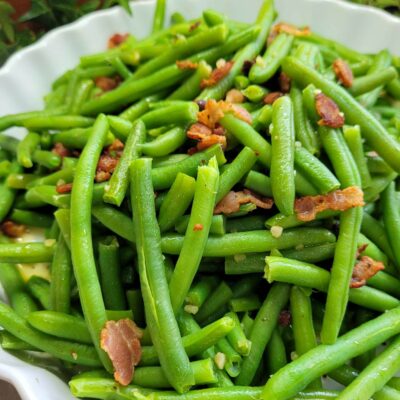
(27, 76)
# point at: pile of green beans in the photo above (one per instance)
(109, 212)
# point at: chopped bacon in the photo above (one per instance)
(361, 250)
(198, 227)
(329, 112)
(234, 96)
(206, 136)
(192, 150)
(64, 188)
(214, 111)
(115, 149)
(194, 26)
(60, 150)
(282, 27)
(121, 341)
(217, 74)
(186, 64)
(308, 207)
(284, 82)
(106, 83)
(364, 269)
(271, 97)
(105, 167)
(233, 200)
(12, 229)
(117, 39)
(343, 72)
(285, 318)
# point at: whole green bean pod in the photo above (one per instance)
(27, 252)
(161, 321)
(375, 134)
(26, 147)
(325, 358)
(81, 237)
(118, 184)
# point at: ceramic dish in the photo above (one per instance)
(27, 76)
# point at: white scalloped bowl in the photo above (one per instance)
(27, 77)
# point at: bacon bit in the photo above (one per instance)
(271, 97)
(201, 104)
(121, 341)
(205, 136)
(12, 229)
(308, 207)
(115, 149)
(284, 82)
(194, 26)
(60, 150)
(234, 96)
(216, 75)
(232, 201)
(64, 188)
(198, 227)
(186, 64)
(329, 112)
(343, 72)
(285, 318)
(361, 250)
(117, 39)
(105, 168)
(106, 83)
(192, 150)
(364, 269)
(214, 111)
(247, 66)
(282, 27)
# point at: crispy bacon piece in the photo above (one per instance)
(206, 136)
(106, 83)
(343, 72)
(285, 318)
(234, 96)
(64, 188)
(364, 269)
(115, 149)
(271, 97)
(121, 341)
(60, 150)
(217, 74)
(232, 201)
(284, 82)
(117, 39)
(198, 227)
(105, 167)
(361, 250)
(186, 64)
(329, 112)
(215, 110)
(194, 26)
(289, 29)
(308, 207)
(12, 229)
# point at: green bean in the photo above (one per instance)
(235, 171)
(244, 304)
(23, 303)
(263, 70)
(245, 263)
(237, 338)
(302, 325)
(136, 110)
(163, 177)
(10, 342)
(251, 223)
(60, 284)
(254, 93)
(81, 237)
(118, 184)
(26, 147)
(75, 353)
(393, 88)
(312, 254)
(161, 322)
(201, 41)
(252, 241)
(259, 183)
(57, 122)
(241, 82)
(275, 352)
(265, 322)
(303, 274)
(10, 279)
(352, 135)
(232, 359)
(262, 117)
(377, 166)
(62, 325)
(19, 181)
(371, 81)
(31, 218)
(46, 159)
(217, 226)
(176, 201)
(159, 15)
(190, 88)
(378, 184)
(391, 218)
(250, 51)
(82, 92)
(120, 67)
(111, 285)
(5, 168)
(77, 138)
(165, 144)
(40, 290)
(372, 130)
(27, 252)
